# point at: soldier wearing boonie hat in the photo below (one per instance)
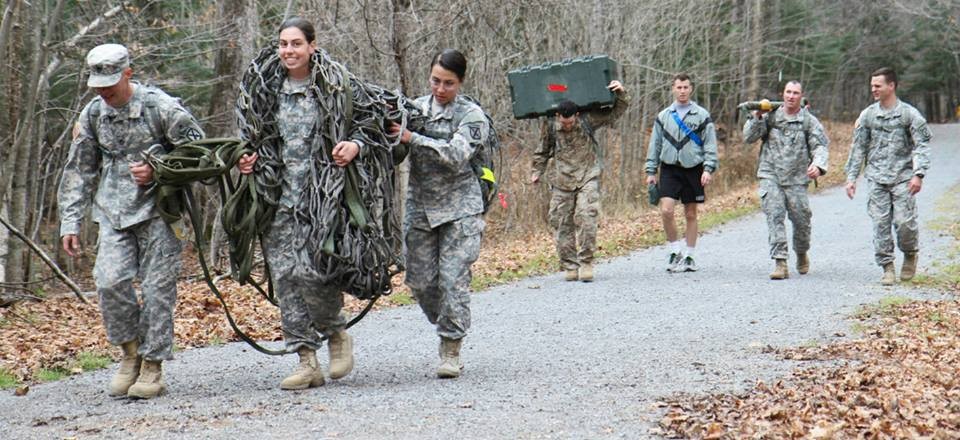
(105, 168)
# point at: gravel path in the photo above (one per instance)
(545, 358)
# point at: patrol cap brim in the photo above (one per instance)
(104, 80)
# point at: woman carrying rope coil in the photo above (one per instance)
(324, 165)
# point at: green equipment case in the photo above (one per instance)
(536, 90)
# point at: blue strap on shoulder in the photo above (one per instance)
(686, 130)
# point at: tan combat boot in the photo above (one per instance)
(150, 383)
(909, 268)
(889, 275)
(129, 369)
(307, 375)
(450, 365)
(803, 263)
(340, 346)
(570, 275)
(586, 273)
(780, 272)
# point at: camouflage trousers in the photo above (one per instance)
(308, 306)
(779, 203)
(892, 206)
(151, 251)
(438, 270)
(574, 216)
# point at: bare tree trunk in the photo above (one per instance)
(4, 245)
(5, 27)
(9, 93)
(598, 28)
(399, 29)
(756, 48)
(6, 151)
(235, 19)
(19, 183)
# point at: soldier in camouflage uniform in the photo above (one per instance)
(891, 142)
(105, 165)
(308, 305)
(794, 150)
(444, 207)
(575, 180)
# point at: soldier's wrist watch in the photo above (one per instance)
(920, 175)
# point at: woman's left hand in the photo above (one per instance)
(404, 134)
(344, 152)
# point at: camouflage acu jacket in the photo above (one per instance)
(108, 140)
(575, 160)
(790, 145)
(894, 144)
(442, 184)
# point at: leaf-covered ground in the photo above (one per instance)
(900, 380)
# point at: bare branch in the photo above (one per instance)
(43, 256)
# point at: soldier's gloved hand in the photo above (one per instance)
(142, 173)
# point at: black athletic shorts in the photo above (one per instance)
(681, 183)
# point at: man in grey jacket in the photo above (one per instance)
(683, 146)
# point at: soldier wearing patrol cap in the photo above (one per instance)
(105, 166)
(891, 143)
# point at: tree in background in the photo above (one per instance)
(735, 49)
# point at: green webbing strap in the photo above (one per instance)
(358, 214)
(206, 160)
(191, 207)
(201, 160)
